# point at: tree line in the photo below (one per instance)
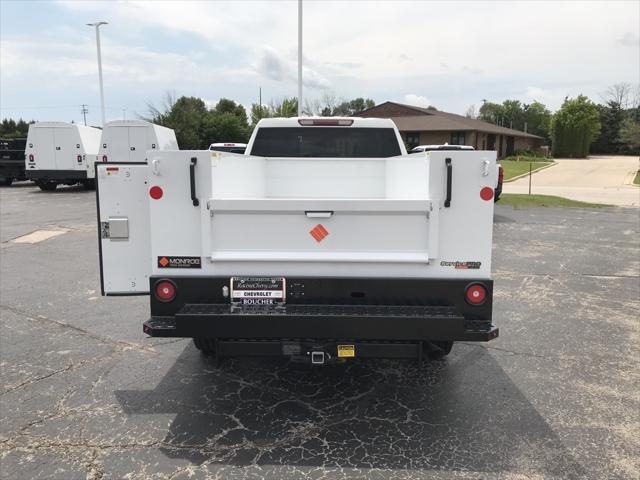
(10, 128)
(580, 125)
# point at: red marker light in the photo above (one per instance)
(31, 158)
(104, 158)
(486, 193)
(156, 192)
(79, 158)
(476, 294)
(165, 290)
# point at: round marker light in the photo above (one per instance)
(476, 294)
(486, 193)
(156, 192)
(165, 291)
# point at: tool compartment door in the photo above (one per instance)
(65, 148)
(123, 228)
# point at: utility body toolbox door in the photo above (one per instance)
(138, 143)
(123, 226)
(44, 148)
(65, 148)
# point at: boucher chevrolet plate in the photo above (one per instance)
(258, 290)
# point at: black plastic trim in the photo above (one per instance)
(56, 174)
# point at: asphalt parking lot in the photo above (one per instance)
(84, 395)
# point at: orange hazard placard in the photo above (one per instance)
(319, 232)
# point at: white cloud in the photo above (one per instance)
(275, 66)
(493, 50)
(416, 100)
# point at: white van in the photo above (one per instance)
(61, 153)
(129, 140)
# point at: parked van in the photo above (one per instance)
(61, 153)
(128, 140)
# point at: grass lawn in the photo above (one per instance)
(522, 200)
(637, 179)
(514, 168)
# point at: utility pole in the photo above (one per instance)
(84, 112)
(299, 58)
(97, 26)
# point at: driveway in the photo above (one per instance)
(598, 179)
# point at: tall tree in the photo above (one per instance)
(574, 127)
(630, 136)
(536, 118)
(611, 118)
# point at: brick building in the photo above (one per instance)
(425, 126)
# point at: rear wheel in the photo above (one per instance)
(436, 350)
(7, 181)
(89, 184)
(47, 185)
(206, 345)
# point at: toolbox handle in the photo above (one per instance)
(192, 179)
(447, 161)
(318, 214)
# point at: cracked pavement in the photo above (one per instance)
(84, 395)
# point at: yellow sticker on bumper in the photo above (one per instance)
(346, 351)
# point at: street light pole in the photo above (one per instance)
(299, 58)
(97, 26)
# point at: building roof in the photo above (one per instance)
(410, 118)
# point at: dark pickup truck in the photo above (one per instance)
(12, 160)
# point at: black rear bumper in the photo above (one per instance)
(328, 308)
(62, 175)
(321, 322)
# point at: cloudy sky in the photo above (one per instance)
(448, 54)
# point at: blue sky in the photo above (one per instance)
(449, 54)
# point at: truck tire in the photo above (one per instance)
(437, 350)
(7, 182)
(89, 184)
(47, 186)
(206, 345)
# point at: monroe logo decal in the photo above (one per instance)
(179, 262)
(462, 265)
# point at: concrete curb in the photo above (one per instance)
(551, 164)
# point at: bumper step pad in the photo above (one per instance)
(364, 322)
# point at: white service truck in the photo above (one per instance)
(325, 240)
(129, 140)
(61, 153)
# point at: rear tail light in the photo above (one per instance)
(476, 294)
(324, 122)
(32, 158)
(486, 193)
(500, 174)
(79, 158)
(104, 158)
(165, 290)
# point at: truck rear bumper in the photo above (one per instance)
(320, 310)
(56, 174)
(322, 322)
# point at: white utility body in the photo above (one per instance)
(58, 152)
(342, 228)
(129, 140)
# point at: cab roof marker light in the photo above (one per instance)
(325, 122)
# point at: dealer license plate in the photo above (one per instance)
(258, 290)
